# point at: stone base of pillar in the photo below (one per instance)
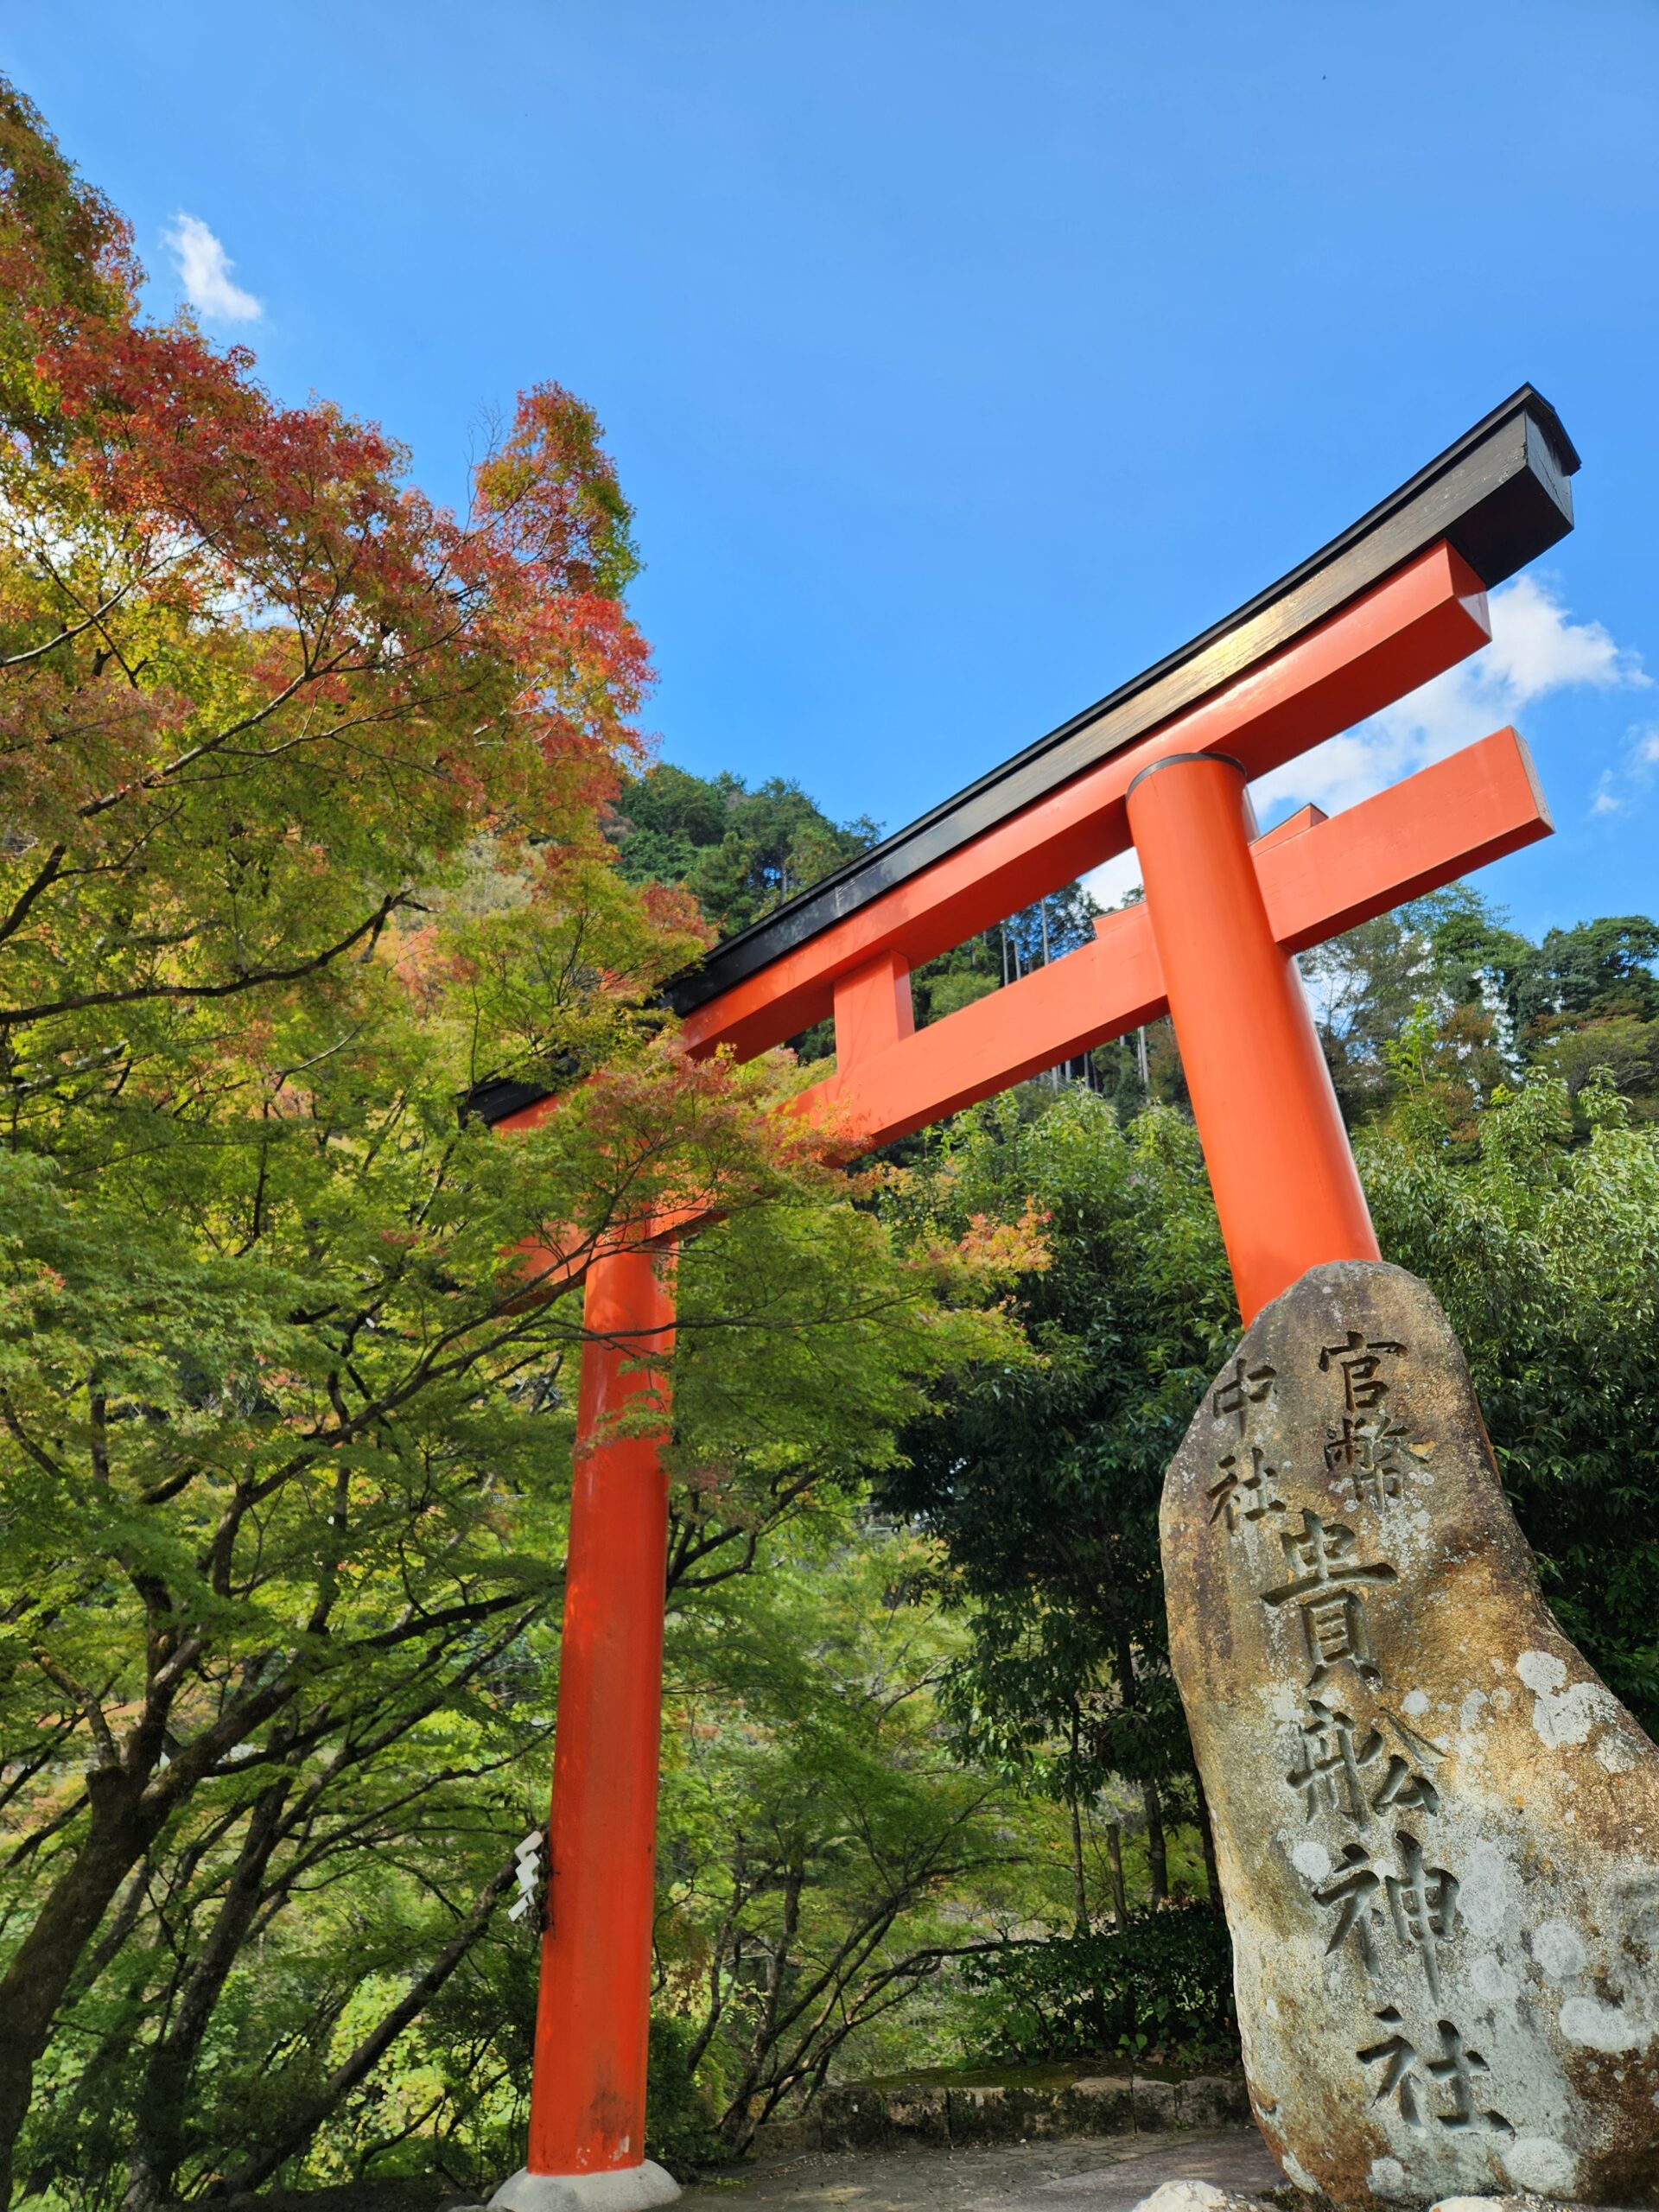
(624, 2189)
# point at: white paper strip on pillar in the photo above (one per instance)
(527, 1872)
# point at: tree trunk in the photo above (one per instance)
(1157, 1851)
(1079, 1890)
(1115, 1861)
(131, 1803)
(160, 2118)
(1079, 1887)
(121, 1831)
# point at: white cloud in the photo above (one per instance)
(205, 272)
(1614, 787)
(1536, 649)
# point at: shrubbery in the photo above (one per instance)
(681, 2121)
(1160, 1987)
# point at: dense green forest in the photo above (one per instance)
(322, 803)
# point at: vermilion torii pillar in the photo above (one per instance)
(586, 2111)
(1285, 1187)
(1164, 763)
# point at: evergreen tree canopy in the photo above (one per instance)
(739, 852)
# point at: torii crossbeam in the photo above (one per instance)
(1164, 764)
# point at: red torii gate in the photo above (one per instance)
(1164, 763)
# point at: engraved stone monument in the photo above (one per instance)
(1437, 1831)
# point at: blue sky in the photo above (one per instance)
(960, 358)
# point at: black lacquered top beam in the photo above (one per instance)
(1500, 496)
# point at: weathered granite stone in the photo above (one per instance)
(1198, 2196)
(1502, 2204)
(1437, 1831)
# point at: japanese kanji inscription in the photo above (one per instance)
(1443, 1890)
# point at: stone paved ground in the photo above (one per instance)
(1099, 2175)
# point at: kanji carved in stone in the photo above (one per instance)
(1437, 1831)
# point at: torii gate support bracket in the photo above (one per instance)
(1164, 763)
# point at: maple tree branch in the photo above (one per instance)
(48, 873)
(41, 1458)
(84, 1699)
(310, 673)
(67, 637)
(17, 1017)
(299, 2130)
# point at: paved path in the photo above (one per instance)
(1103, 2174)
